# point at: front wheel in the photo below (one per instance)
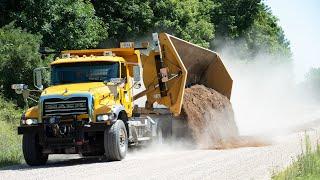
(32, 150)
(116, 141)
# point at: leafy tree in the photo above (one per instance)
(125, 18)
(64, 24)
(128, 19)
(187, 19)
(247, 25)
(250, 28)
(7, 7)
(313, 79)
(18, 57)
(233, 17)
(310, 87)
(266, 35)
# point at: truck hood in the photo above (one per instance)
(104, 99)
(66, 89)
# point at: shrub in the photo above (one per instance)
(10, 142)
(18, 57)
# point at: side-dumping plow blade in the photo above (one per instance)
(177, 64)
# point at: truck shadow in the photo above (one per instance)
(66, 160)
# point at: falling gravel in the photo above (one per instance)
(211, 120)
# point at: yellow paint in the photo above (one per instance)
(176, 86)
(104, 100)
(191, 64)
(88, 59)
(32, 113)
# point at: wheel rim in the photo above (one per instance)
(122, 140)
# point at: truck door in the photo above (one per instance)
(126, 92)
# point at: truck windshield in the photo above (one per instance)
(84, 72)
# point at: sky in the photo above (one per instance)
(300, 21)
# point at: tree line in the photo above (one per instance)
(69, 24)
(27, 25)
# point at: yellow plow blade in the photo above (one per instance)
(187, 64)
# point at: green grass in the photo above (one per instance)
(306, 167)
(10, 141)
(10, 145)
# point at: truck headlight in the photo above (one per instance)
(106, 117)
(31, 121)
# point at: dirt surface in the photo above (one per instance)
(221, 159)
(211, 120)
(172, 162)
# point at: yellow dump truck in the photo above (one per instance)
(88, 106)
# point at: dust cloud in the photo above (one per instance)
(266, 102)
(266, 98)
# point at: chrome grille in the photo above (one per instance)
(61, 107)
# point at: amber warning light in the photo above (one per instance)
(127, 45)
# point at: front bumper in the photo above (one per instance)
(31, 129)
(40, 128)
(83, 139)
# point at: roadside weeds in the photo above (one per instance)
(307, 165)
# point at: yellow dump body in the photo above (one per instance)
(187, 64)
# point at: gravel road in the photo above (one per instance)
(165, 162)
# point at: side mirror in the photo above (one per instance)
(136, 73)
(39, 75)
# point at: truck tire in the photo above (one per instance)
(32, 150)
(116, 141)
(159, 138)
(165, 124)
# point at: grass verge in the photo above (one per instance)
(307, 166)
(10, 142)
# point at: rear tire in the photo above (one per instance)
(32, 150)
(159, 138)
(165, 125)
(116, 141)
